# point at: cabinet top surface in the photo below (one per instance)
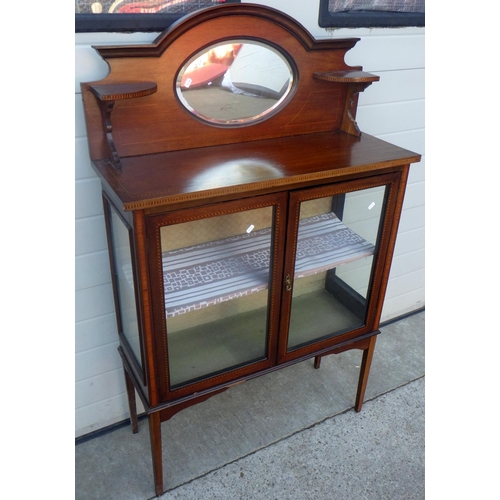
(150, 181)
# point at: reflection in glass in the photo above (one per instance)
(235, 83)
(336, 248)
(125, 283)
(216, 279)
(233, 172)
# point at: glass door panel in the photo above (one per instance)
(335, 255)
(216, 280)
(124, 283)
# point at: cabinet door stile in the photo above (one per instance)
(288, 275)
(278, 257)
(158, 326)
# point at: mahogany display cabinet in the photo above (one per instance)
(250, 224)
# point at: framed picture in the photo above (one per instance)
(371, 13)
(135, 15)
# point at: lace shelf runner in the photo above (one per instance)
(210, 273)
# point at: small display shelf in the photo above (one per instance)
(209, 273)
(107, 94)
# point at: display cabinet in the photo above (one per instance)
(250, 224)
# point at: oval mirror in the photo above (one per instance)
(238, 82)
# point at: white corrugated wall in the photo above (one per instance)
(392, 109)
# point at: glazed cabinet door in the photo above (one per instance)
(216, 278)
(338, 237)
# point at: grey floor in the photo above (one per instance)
(292, 434)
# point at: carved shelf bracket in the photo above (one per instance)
(107, 95)
(349, 123)
(358, 81)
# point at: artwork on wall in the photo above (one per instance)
(142, 6)
(382, 5)
(371, 13)
(135, 15)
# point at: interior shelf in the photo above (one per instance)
(210, 273)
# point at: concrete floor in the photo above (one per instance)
(291, 434)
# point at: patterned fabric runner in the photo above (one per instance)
(209, 273)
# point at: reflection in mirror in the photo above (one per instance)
(238, 82)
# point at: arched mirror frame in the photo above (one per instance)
(243, 121)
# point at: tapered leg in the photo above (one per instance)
(364, 372)
(317, 362)
(131, 402)
(155, 435)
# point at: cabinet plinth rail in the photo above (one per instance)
(107, 94)
(324, 243)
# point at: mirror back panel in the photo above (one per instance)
(161, 122)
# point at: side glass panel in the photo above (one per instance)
(125, 283)
(216, 278)
(336, 248)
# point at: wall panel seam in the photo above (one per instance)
(82, 321)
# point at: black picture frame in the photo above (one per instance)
(128, 23)
(368, 19)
